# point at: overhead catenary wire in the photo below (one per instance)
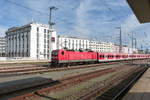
(112, 12)
(20, 5)
(37, 11)
(119, 19)
(46, 14)
(110, 9)
(62, 20)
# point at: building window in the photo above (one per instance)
(47, 56)
(69, 44)
(47, 31)
(44, 51)
(44, 30)
(37, 56)
(44, 35)
(73, 44)
(48, 36)
(65, 43)
(37, 50)
(80, 44)
(37, 29)
(44, 55)
(44, 41)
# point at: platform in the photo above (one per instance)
(141, 90)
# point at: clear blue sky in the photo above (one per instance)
(94, 19)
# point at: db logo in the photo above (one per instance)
(53, 39)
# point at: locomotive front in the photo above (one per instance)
(54, 58)
(59, 57)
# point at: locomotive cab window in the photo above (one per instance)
(55, 53)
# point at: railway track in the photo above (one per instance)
(115, 89)
(43, 87)
(20, 69)
(55, 85)
(117, 92)
(5, 72)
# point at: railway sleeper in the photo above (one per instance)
(119, 90)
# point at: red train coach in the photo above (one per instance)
(68, 57)
(63, 57)
(106, 57)
(103, 57)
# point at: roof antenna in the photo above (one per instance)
(32, 20)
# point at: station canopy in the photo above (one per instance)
(141, 8)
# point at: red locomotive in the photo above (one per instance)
(67, 57)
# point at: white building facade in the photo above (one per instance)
(36, 41)
(101, 46)
(31, 41)
(116, 48)
(72, 43)
(2, 47)
(125, 49)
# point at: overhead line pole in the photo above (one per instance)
(120, 39)
(50, 16)
(132, 47)
(50, 29)
(135, 43)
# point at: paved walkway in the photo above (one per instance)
(141, 90)
(6, 61)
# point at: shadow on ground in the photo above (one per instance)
(44, 96)
(18, 87)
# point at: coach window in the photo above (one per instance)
(101, 56)
(108, 56)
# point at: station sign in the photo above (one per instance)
(53, 39)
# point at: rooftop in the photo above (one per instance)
(27, 25)
(72, 37)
